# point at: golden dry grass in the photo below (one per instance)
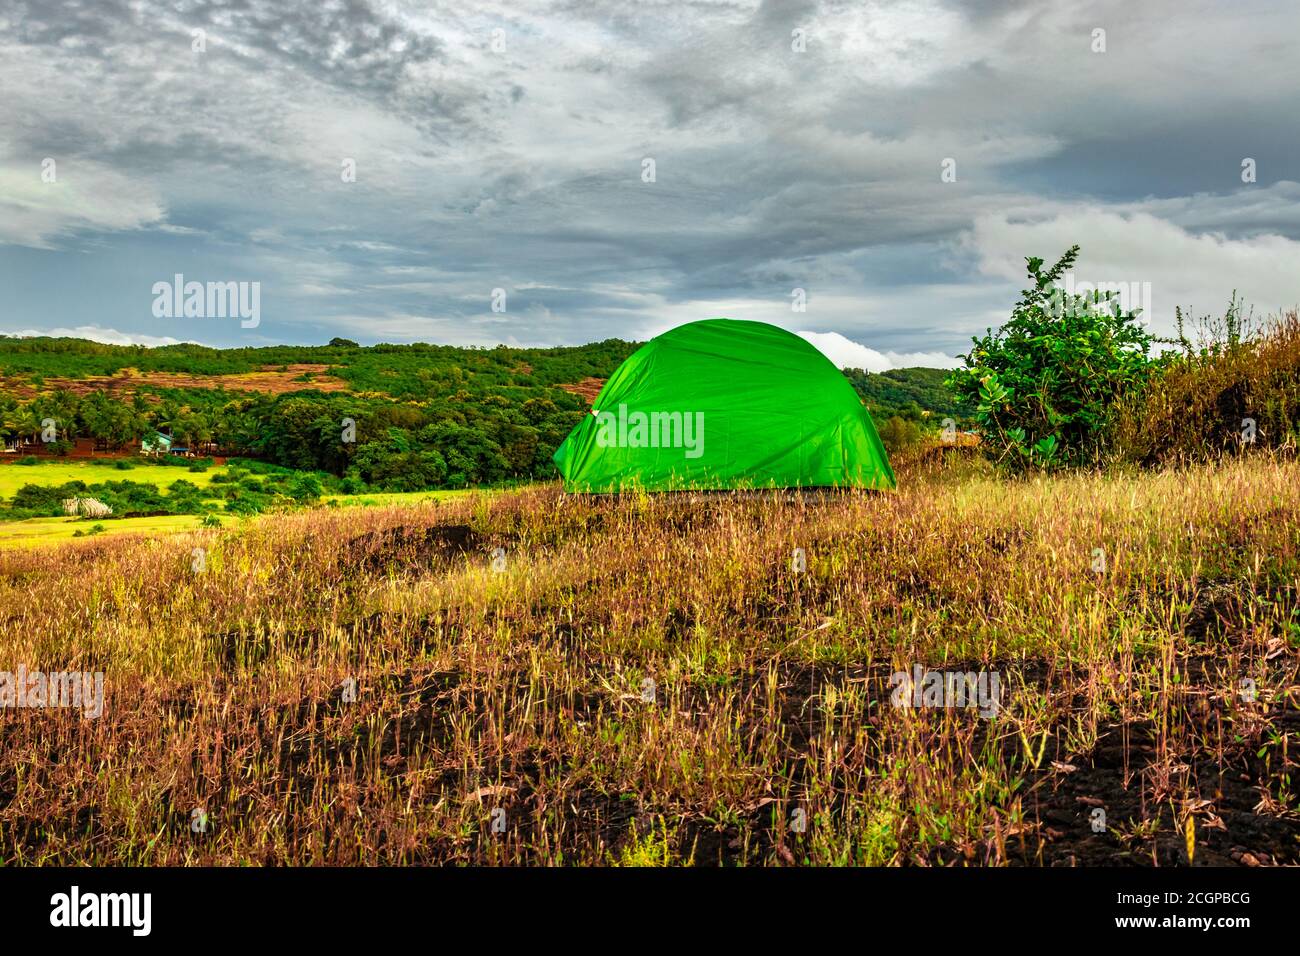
(519, 697)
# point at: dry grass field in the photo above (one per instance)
(678, 679)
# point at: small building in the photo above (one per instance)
(156, 444)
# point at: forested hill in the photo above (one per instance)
(426, 416)
(913, 394)
(396, 370)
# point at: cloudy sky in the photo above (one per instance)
(795, 145)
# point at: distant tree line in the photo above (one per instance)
(419, 416)
(907, 404)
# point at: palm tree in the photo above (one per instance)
(28, 422)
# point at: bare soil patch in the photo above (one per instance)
(270, 379)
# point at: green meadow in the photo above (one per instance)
(57, 472)
(36, 532)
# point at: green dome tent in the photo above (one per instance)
(725, 404)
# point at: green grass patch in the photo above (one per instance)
(54, 473)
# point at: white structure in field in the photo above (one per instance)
(86, 507)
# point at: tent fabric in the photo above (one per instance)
(719, 404)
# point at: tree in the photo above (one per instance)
(109, 421)
(1044, 383)
(388, 467)
(899, 433)
(471, 456)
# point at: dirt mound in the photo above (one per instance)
(587, 389)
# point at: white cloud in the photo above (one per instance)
(846, 353)
(96, 333)
(1184, 268)
(84, 196)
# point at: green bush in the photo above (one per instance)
(46, 500)
(176, 461)
(1043, 385)
(131, 498)
(184, 497)
(303, 487)
(245, 505)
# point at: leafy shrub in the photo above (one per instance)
(1044, 384)
(246, 505)
(184, 497)
(131, 498)
(176, 461)
(303, 487)
(46, 500)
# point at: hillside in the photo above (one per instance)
(387, 417)
(913, 394)
(424, 416)
(396, 370)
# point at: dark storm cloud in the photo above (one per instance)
(346, 42)
(502, 146)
